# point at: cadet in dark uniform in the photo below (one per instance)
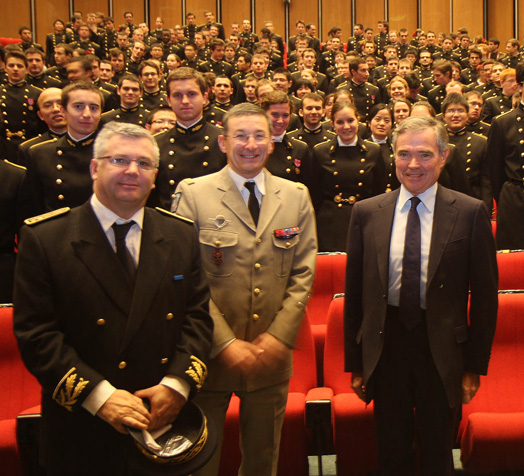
(506, 166)
(501, 103)
(476, 104)
(150, 75)
(352, 169)
(313, 130)
(36, 74)
(442, 71)
(291, 158)
(58, 170)
(13, 210)
(215, 63)
(130, 90)
(18, 106)
(471, 146)
(51, 112)
(53, 39)
(191, 148)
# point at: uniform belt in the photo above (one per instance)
(340, 199)
(10, 134)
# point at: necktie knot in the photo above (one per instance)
(414, 202)
(121, 230)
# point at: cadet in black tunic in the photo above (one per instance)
(351, 170)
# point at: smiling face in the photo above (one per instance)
(418, 160)
(247, 159)
(345, 123)
(381, 124)
(312, 112)
(129, 93)
(279, 115)
(455, 117)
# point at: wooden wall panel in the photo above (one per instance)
(15, 13)
(169, 10)
(305, 10)
(369, 12)
(435, 15)
(336, 13)
(273, 10)
(121, 6)
(91, 6)
(521, 20)
(403, 14)
(501, 20)
(469, 14)
(235, 12)
(46, 12)
(198, 7)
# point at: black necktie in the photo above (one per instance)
(252, 203)
(121, 249)
(410, 311)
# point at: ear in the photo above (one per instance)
(93, 169)
(300, 112)
(443, 158)
(222, 143)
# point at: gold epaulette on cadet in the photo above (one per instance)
(31, 140)
(295, 138)
(54, 139)
(168, 213)
(15, 165)
(323, 142)
(47, 216)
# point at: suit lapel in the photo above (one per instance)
(444, 218)
(382, 226)
(93, 249)
(232, 198)
(155, 256)
(270, 203)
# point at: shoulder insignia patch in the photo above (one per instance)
(68, 390)
(174, 215)
(15, 165)
(47, 216)
(197, 371)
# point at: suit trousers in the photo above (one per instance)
(414, 423)
(261, 418)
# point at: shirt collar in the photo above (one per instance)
(279, 138)
(107, 217)
(427, 198)
(341, 144)
(239, 180)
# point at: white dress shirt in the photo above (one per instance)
(425, 210)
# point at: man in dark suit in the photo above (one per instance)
(413, 256)
(105, 319)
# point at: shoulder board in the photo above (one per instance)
(503, 114)
(174, 215)
(28, 141)
(295, 139)
(189, 181)
(479, 135)
(47, 216)
(36, 88)
(54, 139)
(320, 143)
(15, 165)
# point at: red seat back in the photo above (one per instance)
(511, 269)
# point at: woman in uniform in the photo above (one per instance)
(351, 169)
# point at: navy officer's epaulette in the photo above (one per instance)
(14, 165)
(47, 216)
(168, 213)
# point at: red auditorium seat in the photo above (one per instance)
(492, 425)
(295, 441)
(330, 275)
(494, 228)
(354, 429)
(511, 269)
(19, 390)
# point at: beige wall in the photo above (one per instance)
(434, 14)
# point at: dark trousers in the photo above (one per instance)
(414, 423)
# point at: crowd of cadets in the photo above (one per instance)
(129, 68)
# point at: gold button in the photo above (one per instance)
(288, 244)
(59, 167)
(122, 365)
(288, 171)
(468, 169)
(256, 291)
(172, 140)
(170, 166)
(362, 159)
(337, 186)
(60, 197)
(520, 130)
(205, 164)
(165, 360)
(101, 322)
(58, 181)
(288, 157)
(171, 152)
(361, 172)
(339, 205)
(206, 137)
(335, 173)
(218, 243)
(258, 241)
(258, 265)
(169, 316)
(468, 161)
(206, 148)
(256, 317)
(333, 161)
(171, 182)
(59, 152)
(360, 184)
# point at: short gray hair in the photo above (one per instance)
(125, 130)
(419, 124)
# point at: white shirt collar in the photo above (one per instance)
(341, 144)
(427, 198)
(239, 180)
(279, 138)
(106, 217)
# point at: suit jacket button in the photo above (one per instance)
(258, 266)
(60, 197)
(258, 241)
(256, 317)
(256, 291)
(101, 322)
(122, 365)
(164, 360)
(169, 316)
